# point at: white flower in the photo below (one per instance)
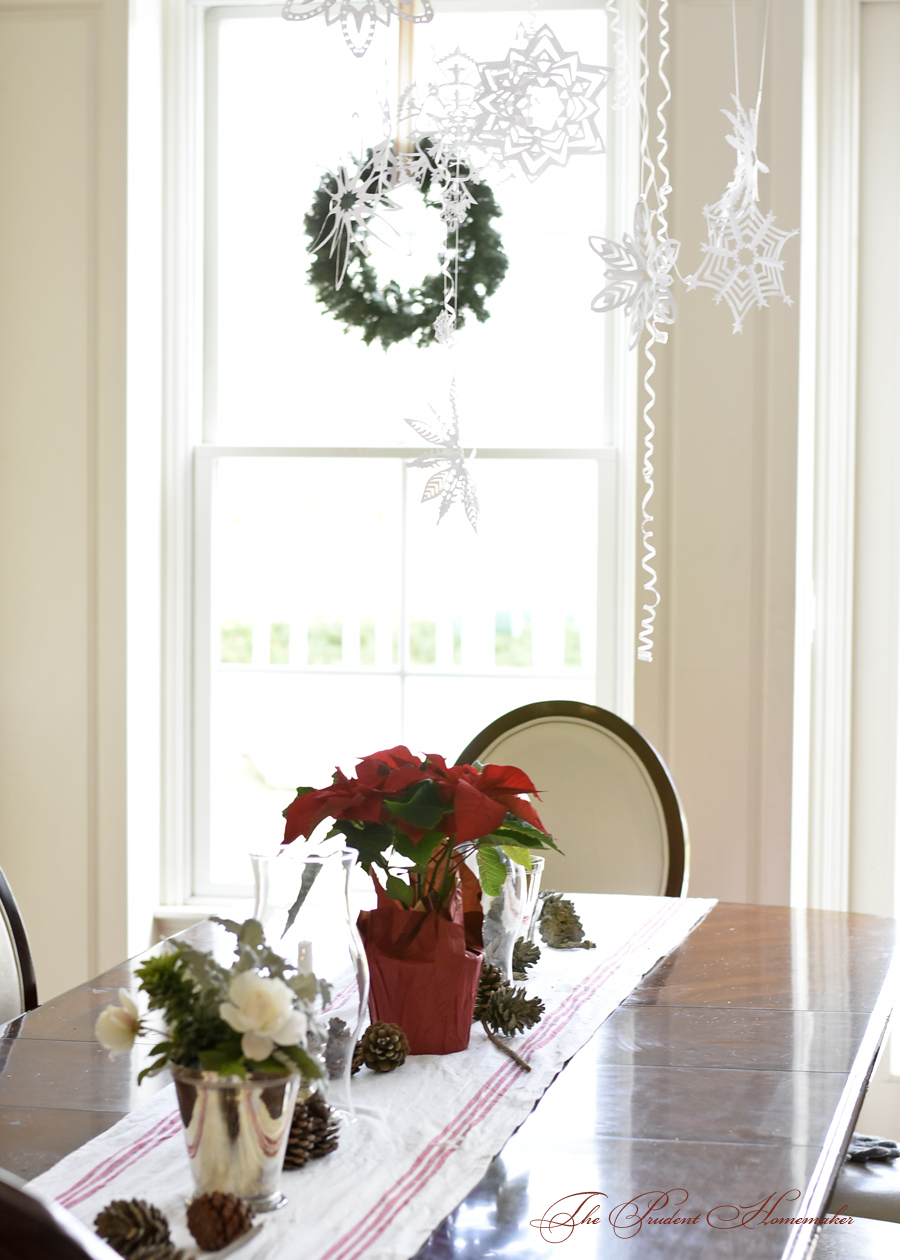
(263, 1010)
(117, 1026)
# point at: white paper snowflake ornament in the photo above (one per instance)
(539, 106)
(742, 259)
(450, 109)
(452, 480)
(639, 271)
(358, 18)
(358, 195)
(744, 186)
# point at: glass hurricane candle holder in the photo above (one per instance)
(322, 938)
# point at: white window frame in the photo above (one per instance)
(190, 462)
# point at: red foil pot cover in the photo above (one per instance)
(423, 973)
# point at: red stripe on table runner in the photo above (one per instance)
(437, 1152)
(108, 1169)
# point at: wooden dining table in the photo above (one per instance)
(714, 1103)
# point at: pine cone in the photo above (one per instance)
(525, 955)
(336, 1047)
(559, 925)
(127, 1224)
(216, 1219)
(357, 1058)
(491, 980)
(159, 1251)
(510, 1011)
(314, 1133)
(384, 1047)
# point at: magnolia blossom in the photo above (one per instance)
(263, 1010)
(117, 1026)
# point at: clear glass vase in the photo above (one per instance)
(302, 902)
(533, 882)
(502, 924)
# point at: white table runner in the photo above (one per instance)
(424, 1135)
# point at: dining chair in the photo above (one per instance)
(863, 1240)
(18, 990)
(605, 796)
(38, 1229)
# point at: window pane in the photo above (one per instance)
(284, 371)
(344, 620)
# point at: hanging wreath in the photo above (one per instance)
(339, 224)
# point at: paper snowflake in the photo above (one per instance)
(361, 15)
(742, 255)
(640, 274)
(358, 194)
(744, 186)
(540, 105)
(450, 107)
(452, 480)
(742, 259)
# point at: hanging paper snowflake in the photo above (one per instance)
(452, 481)
(742, 259)
(363, 15)
(450, 107)
(358, 194)
(540, 105)
(742, 255)
(640, 275)
(744, 187)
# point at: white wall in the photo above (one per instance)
(717, 698)
(62, 479)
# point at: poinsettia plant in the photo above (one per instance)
(250, 1019)
(431, 815)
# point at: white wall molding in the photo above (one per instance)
(826, 459)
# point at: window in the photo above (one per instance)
(333, 614)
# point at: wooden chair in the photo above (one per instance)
(18, 990)
(36, 1229)
(606, 797)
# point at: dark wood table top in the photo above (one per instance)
(732, 1075)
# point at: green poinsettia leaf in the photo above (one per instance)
(423, 809)
(517, 831)
(399, 890)
(421, 851)
(370, 840)
(517, 854)
(491, 870)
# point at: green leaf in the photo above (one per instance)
(307, 1065)
(423, 809)
(420, 852)
(399, 891)
(491, 871)
(370, 840)
(522, 857)
(222, 1061)
(310, 871)
(304, 985)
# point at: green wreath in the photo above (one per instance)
(388, 313)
